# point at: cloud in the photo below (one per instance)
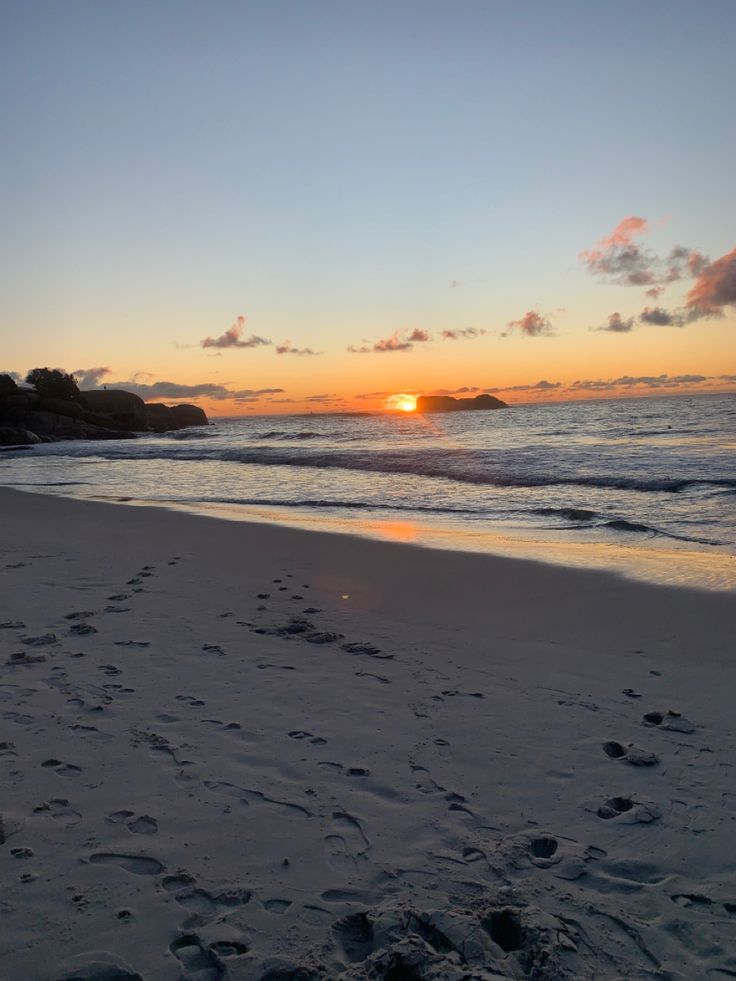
(638, 381)
(659, 317)
(463, 332)
(455, 284)
(209, 390)
(540, 386)
(532, 324)
(616, 324)
(714, 288)
(233, 337)
(285, 348)
(14, 375)
(619, 259)
(90, 377)
(400, 340)
(366, 396)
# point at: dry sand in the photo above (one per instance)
(247, 752)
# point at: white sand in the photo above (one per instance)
(221, 803)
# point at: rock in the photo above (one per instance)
(445, 403)
(127, 409)
(189, 415)
(62, 407)
(14, 436)
(160, 418)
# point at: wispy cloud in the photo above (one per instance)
(286, 348)
(233, 337)
(638, 381)
(532, 324)
(400, 340)
(463, 333)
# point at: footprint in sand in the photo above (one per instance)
(248, 796)
(213, 649)
(135, 864)
(82, 629)
(132, 643)
(632, 754)
(142, 825)
(190, 700)
(277, 905)
(196, 961)
(45, 640)
(346, 843)
(60, 809)
(118, 597)
(628, 810)
(12, 625)
(63, 769)
(117, 609)
(301, 734)
(355, 935)
(671, 721)
(376, 677)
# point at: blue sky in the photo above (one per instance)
(328, 169)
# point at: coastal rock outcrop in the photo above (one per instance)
(27, 417)
(445, 403)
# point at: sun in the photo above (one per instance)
(402, 402)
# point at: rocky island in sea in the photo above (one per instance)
(446, 403)
(50, 407)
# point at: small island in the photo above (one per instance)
(446, 403)
(50, 407)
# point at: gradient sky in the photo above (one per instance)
(341, 173)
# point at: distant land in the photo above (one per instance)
(446, 403)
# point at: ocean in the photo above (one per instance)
(643, 487)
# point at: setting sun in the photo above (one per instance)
(402, 402)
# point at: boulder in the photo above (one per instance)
(62, 407)
(188, 415)
(128, 410)
(160, 418)
(53, 427)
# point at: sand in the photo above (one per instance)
(248, 752)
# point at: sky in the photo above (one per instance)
(283, 206)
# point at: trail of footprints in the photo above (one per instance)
(346, 842)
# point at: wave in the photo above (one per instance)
(477, 467)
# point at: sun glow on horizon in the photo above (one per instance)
(402, 402)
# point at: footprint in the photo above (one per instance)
(117, 609)
(630, 810)
(630, 754)
(59, 809)
(301, 734)
(45, 640)
(377, 677)
(367, 649)
(355, 934)
(213, 649)
(670, 720)
(119, 597)
(196, 961)
(347, 842)
(190, 700)
(135, 864)
(277, 905)
(63, 769)
(247, 796)
(82, 629)
(132, 643)
(323, 637)
(143, 825)
(12, 625)
(81, 615)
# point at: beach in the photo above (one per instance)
(244, 751)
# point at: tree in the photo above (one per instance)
(7, 386)
(50, 383)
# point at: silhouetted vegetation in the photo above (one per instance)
(50, 383)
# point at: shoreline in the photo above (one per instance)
(451, 745)
(663, 564)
